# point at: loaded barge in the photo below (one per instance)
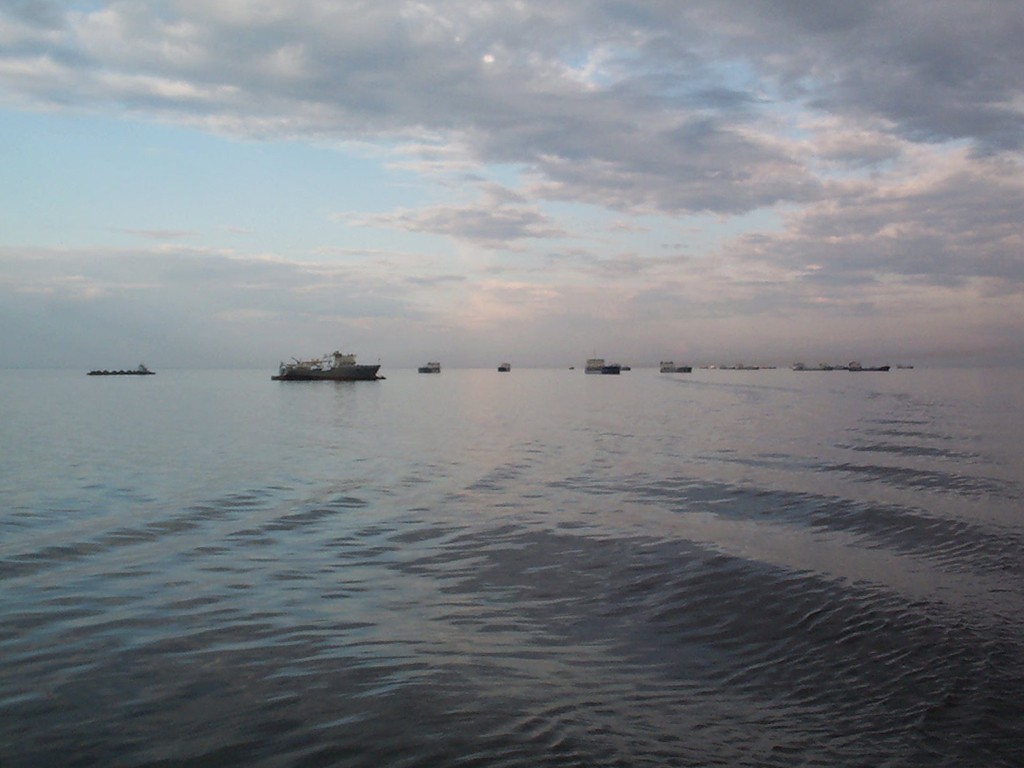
(140, 371)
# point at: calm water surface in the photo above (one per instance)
(539, 568)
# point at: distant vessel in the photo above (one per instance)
(819, 367)
(667, 366)
(335, 367)
(140, 371)
(858, 367)
(433, 367)
(504, 368)
(598, 365)
(854, 366)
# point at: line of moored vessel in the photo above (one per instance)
(343, 367)
(339, 366)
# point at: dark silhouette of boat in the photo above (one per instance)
(667, 366)
(854, 366)
(598, 365)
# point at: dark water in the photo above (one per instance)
(540, 568)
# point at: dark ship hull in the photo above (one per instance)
(342, 373)
(140, 371)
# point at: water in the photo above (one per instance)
(539, 568)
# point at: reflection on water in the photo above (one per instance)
(535, 568)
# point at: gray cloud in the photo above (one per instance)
(937, 70)
(961, 225)
(611, 103)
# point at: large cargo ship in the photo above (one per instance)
(335, 367)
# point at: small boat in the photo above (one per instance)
(335, 367)
(504, 368)
(140, 371)
(667, 366)
(433, 367)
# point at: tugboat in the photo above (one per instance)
(433, 367)
(335, 367)
(140, 371)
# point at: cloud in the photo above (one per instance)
(160, 234)
(807, 161)
(498, 219)
(935, 71)
(667, 106)
(945, 226)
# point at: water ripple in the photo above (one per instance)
(806, 571)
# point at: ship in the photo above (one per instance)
(432, 367)
(818, 367)
(857, 367)
(140, 371)
(667, 366)
(598, 365)
(335, 367)
(854, 366)
(504, 368)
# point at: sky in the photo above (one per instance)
(194, 184)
